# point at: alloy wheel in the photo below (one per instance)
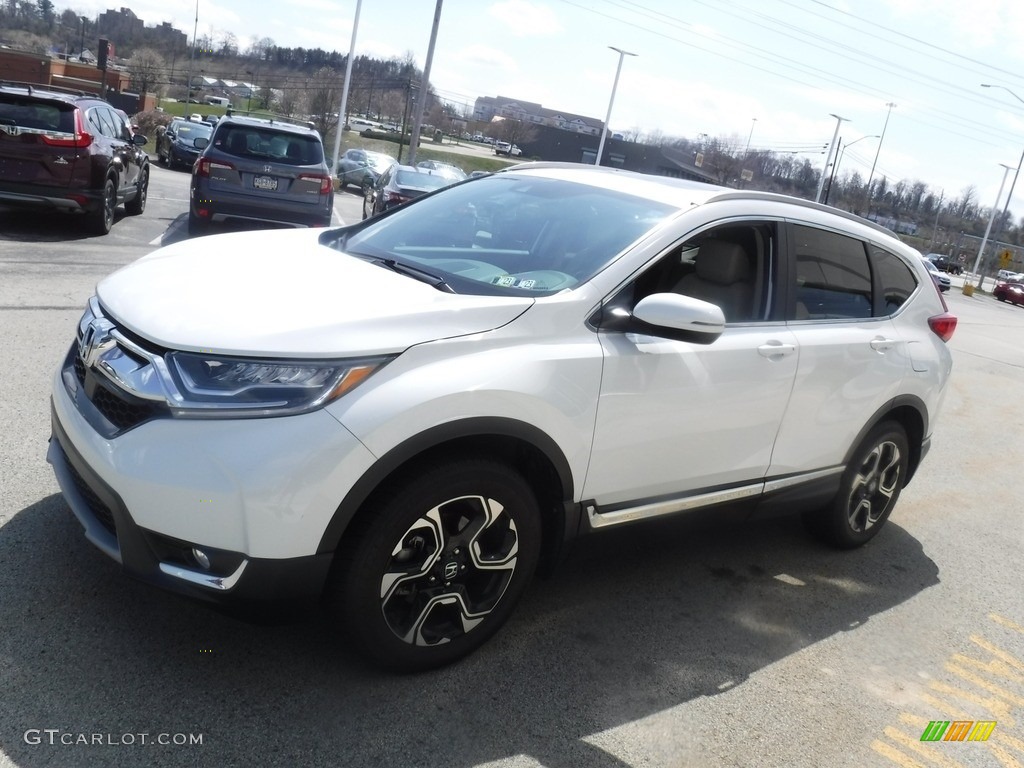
(449, 570)
(874, 486)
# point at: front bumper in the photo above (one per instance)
(253, 496)
(233, 580)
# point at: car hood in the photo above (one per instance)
(281, 293)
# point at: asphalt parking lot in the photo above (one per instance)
(669, 644)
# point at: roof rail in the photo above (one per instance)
(43, 87)
(775, 197)
(275, 118)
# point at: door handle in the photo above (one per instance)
(776, 349)
(881, 344)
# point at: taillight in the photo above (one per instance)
(80, 139)
(326, 185)
(204, 165)
(943, 325)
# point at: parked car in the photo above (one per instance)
(509, 150)
(400, 184)
(70, 153)
(453, 172)
(264, 170)
(182, 142)
(945, 263)
(1011, 290)
(362, 167)
(941, 278)
(402, 418)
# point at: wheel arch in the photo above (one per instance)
(911, 413)
(528, 449)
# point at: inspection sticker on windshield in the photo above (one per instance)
(506, 281)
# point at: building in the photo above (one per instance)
(486, 108)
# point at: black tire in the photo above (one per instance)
(137, 204)
(434, 566)
(367, 202)
(102, 219)
(868, 491)
(196, 226)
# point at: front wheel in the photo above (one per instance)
(433, 567)
(868, 491)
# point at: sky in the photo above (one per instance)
(774, 73)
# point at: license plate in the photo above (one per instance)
(267, 183)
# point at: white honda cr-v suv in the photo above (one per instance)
(403, 418)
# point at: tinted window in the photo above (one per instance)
(833, 277)
(896, 278)
(31, 113)
(261, 144)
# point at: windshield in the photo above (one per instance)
(509, 235)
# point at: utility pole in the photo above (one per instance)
(417, 121)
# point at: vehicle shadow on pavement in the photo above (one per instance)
(48, 227)
(631, 624)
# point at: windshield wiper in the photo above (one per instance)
(414, 272)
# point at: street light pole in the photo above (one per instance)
(867, 195)
(835, 165)
(611, 102)
(988, 229)
(824, 171)
(1016, 174)
(192, 61)
(752, 124)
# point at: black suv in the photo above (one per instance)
(69, 152)
(266, 170)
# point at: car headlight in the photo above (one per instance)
(219, 386)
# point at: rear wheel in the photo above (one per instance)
(868, 491)
(137, 204)
(102, 219)
(368, 200)
(434, 567)
(196, 225)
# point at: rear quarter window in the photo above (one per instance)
(897, 280)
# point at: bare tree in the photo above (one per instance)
(147, 70)
(324, 94)
(513, 131)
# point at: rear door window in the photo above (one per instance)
(833, 275)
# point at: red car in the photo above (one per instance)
(1010, 291)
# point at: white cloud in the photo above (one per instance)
(525, 19)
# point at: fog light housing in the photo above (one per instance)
(201, 558)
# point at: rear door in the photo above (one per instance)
(38, 143)
(853, 359)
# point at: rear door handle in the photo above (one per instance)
(880, 344)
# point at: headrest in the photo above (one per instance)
(722, 262)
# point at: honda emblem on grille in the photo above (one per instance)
(268, 168)
(95, 341)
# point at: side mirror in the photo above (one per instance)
(139, 140)
(201, 142)
(682, 318)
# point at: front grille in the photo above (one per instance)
(121, 412)
(99, 510)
